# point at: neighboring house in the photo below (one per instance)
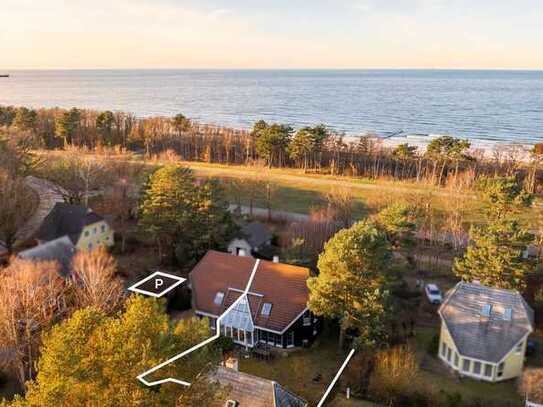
(246, 390)
(254, 239)
(273, 313)
(484, 331)
(85, 228)
(61, 250)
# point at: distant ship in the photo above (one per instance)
(4, 76)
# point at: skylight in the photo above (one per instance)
(485, 312)
(266, 309)
(508, 314)
(218, 298)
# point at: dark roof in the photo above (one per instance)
(282, 285)
(253, 391)
(491, 337)
(256, 233)
(66, 220)
(62, 250)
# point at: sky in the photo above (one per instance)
(217, 34)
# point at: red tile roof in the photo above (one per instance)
(282, 285)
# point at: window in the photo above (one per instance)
(94, 230)
(263, 336)
(449, 354)
(443, 349)
(103, 228)
(266, 309)
(518, 348)
(477, 367)
(290, 339)
(466, 365)
(488, 370)
(212, 324)
(501, 366)
(456, 359)
(307, 318)
(485, 312)
(86, 233)
(507, 314)
(218, 298)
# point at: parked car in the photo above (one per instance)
(433, 293)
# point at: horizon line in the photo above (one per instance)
(7, 70)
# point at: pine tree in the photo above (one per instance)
(351, 283)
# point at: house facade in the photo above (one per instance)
(273, 312)
(85, 228)
(254, 240)
(484, 332)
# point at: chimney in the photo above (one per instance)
(276, 259)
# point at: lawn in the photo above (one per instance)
(297, 369)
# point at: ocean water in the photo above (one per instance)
(487, 106)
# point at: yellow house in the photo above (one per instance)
(484, 331)
(85, 228)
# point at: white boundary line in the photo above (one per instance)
(180, 280)
(330, 387)
(201, 344)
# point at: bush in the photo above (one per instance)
(395, 379)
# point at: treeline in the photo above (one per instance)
(314, 149)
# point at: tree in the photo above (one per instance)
(76, 176)
(340, 205)
(93, 359)
(32, 300)
(495, 255)
(25, 119)
(121, 197)
(181, 123)
(399, 223)
(405, 151)
(104, 127)
(307, 143)
(531, 385)
(272, 142)
(447, 149)
(94, 281)
(68, 125)
(187, 217)
(17, 203)
(16, 156)
(502, 196)
(351, 283)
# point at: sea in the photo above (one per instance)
(485, 106)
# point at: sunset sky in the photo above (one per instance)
(271, 34)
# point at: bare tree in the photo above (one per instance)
(94, 280)
(76, 176)
(32, 299)
(340, 204)
(121, 197)
(16, 206)
(531, 385)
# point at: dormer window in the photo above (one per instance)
(219, 297)
(266, 309)
(508, 314)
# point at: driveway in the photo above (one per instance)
(48, 196)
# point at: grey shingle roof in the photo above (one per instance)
(256, 233)
(486, 338)
(66, 220)
(61, 250)
(253, 391)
